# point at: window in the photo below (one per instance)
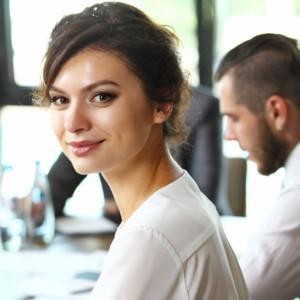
(240, 20)
(32, 22)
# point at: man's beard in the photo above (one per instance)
(273, 152)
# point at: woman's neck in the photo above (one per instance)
(132, 186)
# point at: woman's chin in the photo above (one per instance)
(84, 168)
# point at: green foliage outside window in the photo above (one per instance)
(244, 7)
(297, 7)
(180, 15)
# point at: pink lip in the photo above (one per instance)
(82, 148)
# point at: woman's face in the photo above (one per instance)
(101, 115)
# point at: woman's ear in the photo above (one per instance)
(276, 109)
(162, 111)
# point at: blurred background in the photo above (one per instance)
(207, 29)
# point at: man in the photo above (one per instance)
(200, 155)
(258, 83)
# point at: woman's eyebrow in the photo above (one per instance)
(99, 83)
(87, 87)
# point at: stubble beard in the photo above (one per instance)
(273, 151)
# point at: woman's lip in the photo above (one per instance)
(84, 143)
(84, 147)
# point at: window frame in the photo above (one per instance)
(10, 92)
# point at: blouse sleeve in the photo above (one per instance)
(139, 266)
(143, 264)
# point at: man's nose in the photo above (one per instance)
(229, 133)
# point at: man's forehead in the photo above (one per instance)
(229, 107)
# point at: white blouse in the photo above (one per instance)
(171, 248)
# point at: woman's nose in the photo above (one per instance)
(76, 118)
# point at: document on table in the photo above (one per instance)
(74, 225)
(53, 275)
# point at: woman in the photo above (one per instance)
(117, 94)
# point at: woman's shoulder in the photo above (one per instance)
(178, 215)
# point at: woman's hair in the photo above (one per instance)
(149, 50)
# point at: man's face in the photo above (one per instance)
(250, 130)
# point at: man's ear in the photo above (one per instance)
(276, 109)
(162, 111)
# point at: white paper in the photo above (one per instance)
(47, 274)
(68, 225)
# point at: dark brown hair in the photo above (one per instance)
(265, 65)
(148, 49)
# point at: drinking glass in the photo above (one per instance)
(12, 223)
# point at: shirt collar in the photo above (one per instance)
(292, 166)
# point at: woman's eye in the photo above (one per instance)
(58, 100)
(103, 97)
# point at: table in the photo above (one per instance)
(67, 269)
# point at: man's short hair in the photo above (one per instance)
(264, 65)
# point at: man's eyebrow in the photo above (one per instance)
(228, 114)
